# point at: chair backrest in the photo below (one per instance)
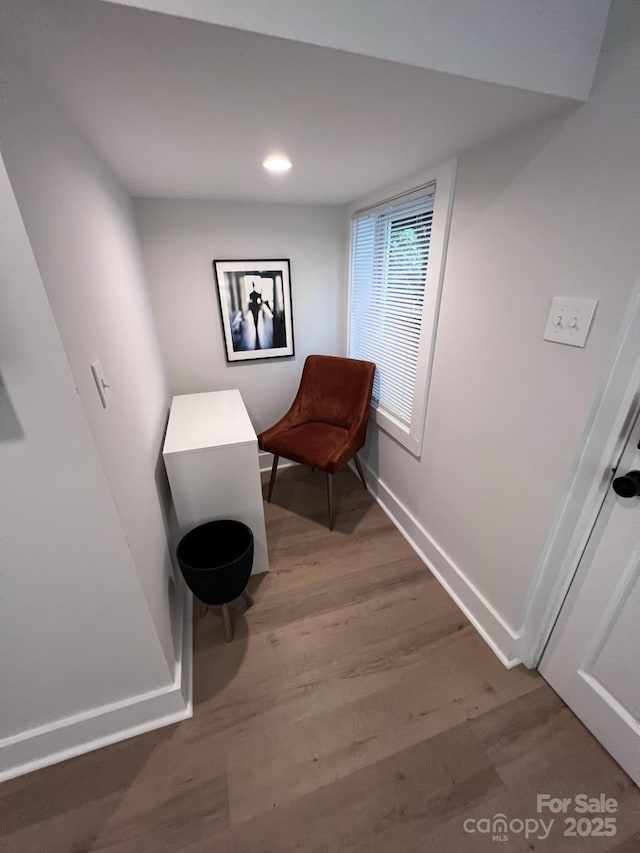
(336, 391)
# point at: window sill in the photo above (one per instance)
(401, 433)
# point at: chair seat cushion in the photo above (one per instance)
(315, 444)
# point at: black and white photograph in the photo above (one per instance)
(255, 308)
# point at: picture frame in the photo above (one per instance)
(254, 297)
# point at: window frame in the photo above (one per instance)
(443, 176)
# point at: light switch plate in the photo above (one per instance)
(101, 383)
(569, 321)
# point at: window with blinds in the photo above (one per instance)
(389, 260)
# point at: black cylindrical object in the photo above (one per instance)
(216, 559)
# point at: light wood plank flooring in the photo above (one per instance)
(355, 710)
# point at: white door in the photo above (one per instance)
(593, 657)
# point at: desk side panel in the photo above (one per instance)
(220, 483)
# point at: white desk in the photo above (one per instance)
(211, 456)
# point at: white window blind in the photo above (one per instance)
(389, 258)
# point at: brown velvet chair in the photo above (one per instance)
(327, 424)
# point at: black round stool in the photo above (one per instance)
(216, 559)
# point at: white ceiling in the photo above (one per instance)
(180, 108)
(541, 45)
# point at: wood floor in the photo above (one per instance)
(355, 710)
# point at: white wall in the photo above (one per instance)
(81, 227)
(180, 239)
(553, 210)
(75, 632)
(545, 46)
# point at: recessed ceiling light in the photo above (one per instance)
(277, 163)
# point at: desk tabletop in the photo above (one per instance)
(209, 420)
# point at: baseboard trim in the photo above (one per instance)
(184, 666)
(493, 629)
(266, 462)
(80, 733)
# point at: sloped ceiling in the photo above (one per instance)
(181, 108)
(548, 46)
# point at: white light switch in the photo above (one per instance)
(104, 389)
(569, 321)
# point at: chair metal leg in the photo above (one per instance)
(248, 599)
(228, 623)
(274, 471)
(359, 468)
(330, 499)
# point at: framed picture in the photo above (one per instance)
(255, 308)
